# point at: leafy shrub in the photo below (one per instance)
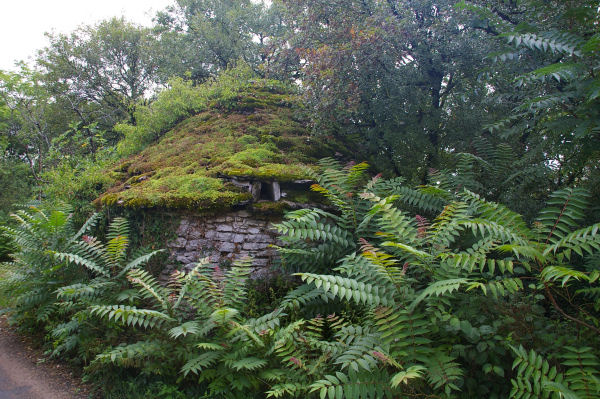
(427, 290)
(78, 182)
(57, 273)
(440, 303)
(171, 106)
(35, 274)
(195, 329)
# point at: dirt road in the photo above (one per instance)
(21, 377)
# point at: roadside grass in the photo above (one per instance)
(5, 299)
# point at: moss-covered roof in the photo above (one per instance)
(256, 135)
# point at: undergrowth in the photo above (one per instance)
(396, 292)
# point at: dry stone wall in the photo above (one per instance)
(224, 238)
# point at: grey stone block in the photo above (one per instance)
(267, 253)
(239, 238)
(194, 234)
(227, 247)
(224, 236)
(253, 246)
(260, 262)
(260, 238)
(192, 245)
(203, 244)
(242, 254)
(183, 226)
(276, 191)
(178, 243)
(184, 259)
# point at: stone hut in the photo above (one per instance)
(225, 175)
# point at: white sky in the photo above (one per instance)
(23, 22)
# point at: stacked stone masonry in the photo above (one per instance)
(225, 238)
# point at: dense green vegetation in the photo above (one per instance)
(459, 258)
(242, 126)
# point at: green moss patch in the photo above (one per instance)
(254, 135)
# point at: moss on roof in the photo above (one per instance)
(257, 135)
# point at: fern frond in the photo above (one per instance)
(405, 333)
(443, 371)
(200, 362)
(558, 71)
(566, 208)
(234, 289)
(422, 255)
(130, 355)
(438, 288)
(311, 215)
(395, 222)
(44, 312)
(554, 41)
(499, 288)
(269, 321)
(190, 327)
(119, 227)
(424, 198)
(150, 288)
(315, 231)
(354, 385)
(89, 264)
(372, 267)
(93, 289)
(492, 230)
(131, 316)
(532, 375)
(579, 241)
(583, 373)
(89, 224)
(248, 363)
(553, 273)
(139, 261)
(32, 298)
(361, 350)
(404, 377)
(116, 250)
(349, 289)
(303, 295)
(286, 389)
(497, 213)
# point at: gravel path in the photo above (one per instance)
(21, 377)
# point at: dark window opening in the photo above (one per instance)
(296, 186)
(266, 191)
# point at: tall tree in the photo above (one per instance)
(199, 38)
(100, 72)
(395, 72)
(15, 176)
(546, 69)
(30, 118)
